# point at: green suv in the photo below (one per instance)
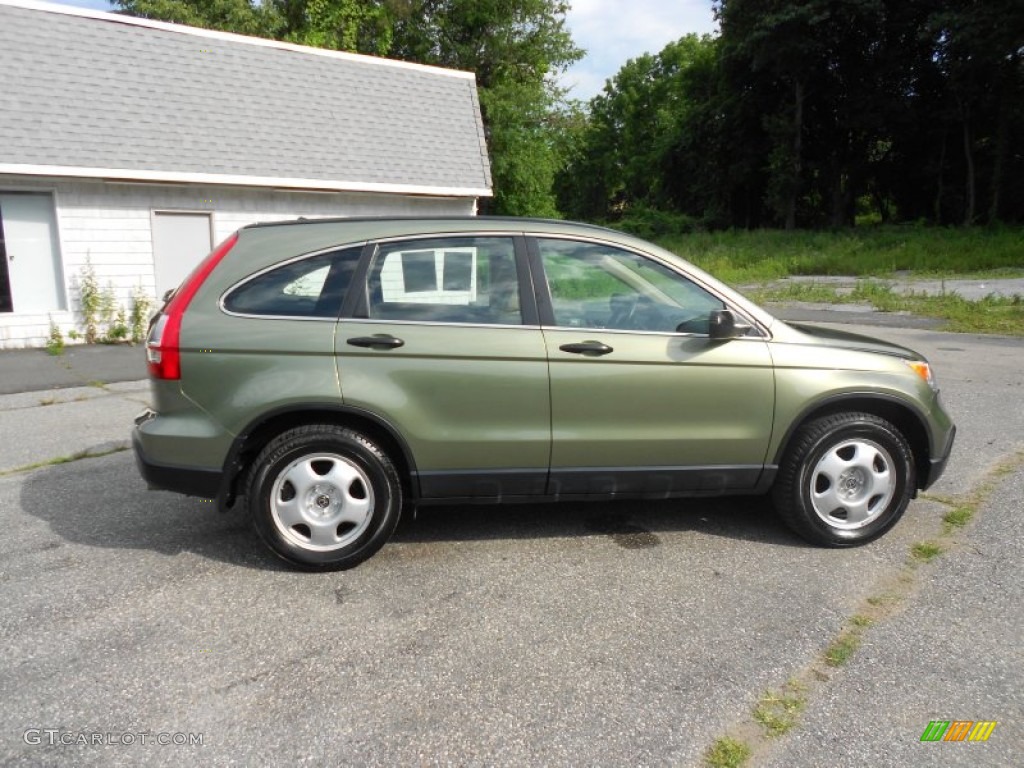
(333, 373)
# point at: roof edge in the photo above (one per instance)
(183, 29)
(295, 184)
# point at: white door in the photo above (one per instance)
(180, 241)
(35, 281)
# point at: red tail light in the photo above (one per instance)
(162, 352)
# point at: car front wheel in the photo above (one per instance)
(846, 479)
(324, 497)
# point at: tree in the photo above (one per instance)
(637, 144)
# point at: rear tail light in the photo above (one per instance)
(163, 354)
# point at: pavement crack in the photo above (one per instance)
(780, 710)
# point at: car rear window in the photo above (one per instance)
(310, 287)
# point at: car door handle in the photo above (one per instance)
(376, 342)
(587, 348)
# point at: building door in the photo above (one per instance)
(180, 241)
(31, 278)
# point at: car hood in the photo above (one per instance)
(799, 333)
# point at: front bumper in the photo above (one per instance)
(937, 464)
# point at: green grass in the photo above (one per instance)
(925, 551)
(742, 258)
(727, 753)
(846, 644)
(779, 711)
(958, 518)
(992, 314)
(739, 256)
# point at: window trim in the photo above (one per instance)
(293, 260)
(358, 309)
(545, 304)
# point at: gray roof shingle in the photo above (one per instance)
(97, 91)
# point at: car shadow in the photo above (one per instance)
(103, 503)
(632, 524)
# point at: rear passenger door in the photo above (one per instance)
(442, 341)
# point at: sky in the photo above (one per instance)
(611, 31)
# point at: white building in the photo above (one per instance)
(136, 146)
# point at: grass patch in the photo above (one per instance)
(740, 256)
(779, 711)
(727, 753)
(958, 518)
(86, 454)
(843, 647)
(925, 551)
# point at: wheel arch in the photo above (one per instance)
(266, 427)
(907, 419)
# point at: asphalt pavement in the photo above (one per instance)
(80, 365)
(628, 633)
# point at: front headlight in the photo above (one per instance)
(924, 370)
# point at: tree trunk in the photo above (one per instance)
(939, 183)
(1002, 139)
(969, 184)
(798, 142)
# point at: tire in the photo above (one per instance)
(323, 497)
(845, 480)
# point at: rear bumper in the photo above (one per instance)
(188, 480)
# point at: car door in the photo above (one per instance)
(642, 401)
(443, 343)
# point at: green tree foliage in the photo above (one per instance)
(515, 47)
(811, 112)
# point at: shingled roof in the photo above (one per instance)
(101, 95)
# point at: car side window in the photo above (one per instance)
(599, 286)
(445, 280)
(312, 287)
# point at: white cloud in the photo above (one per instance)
(96, 5)
(613, 31)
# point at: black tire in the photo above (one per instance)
(845, 480)
(323, 497)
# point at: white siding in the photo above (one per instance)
(110, 225)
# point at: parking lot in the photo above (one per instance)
(626, 633)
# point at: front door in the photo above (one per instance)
(31, 279)
(642, 401)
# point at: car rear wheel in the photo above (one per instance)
(845, 480)
(324, 497)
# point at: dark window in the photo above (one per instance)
(419, 271)
(471, 280)
(458, 271)
(313, 287)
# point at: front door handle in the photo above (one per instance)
(376, 342)
(587, 348)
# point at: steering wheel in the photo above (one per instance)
(623, 306)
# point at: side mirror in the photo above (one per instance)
(721, 325)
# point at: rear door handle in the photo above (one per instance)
(376, 342)
(587, 348)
